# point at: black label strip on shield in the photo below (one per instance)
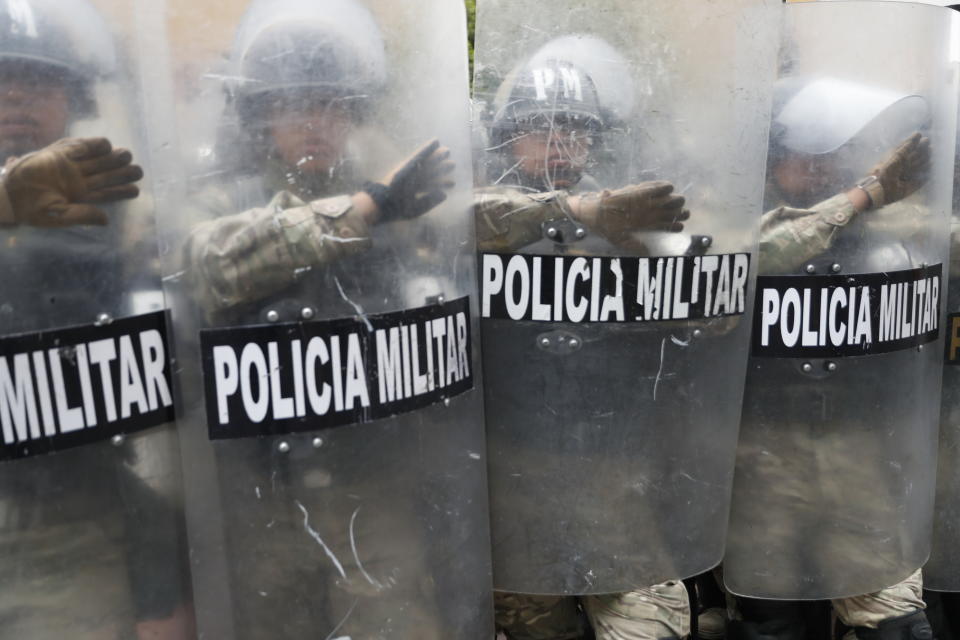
(572, 288)
(71, 387)
(303, 376)
(846, 315)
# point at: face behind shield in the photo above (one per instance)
(829, 133)
(51, 56)
(548, 126)
(302, 80)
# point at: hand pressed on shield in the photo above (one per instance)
(62, 184)
(904, 171)
(415, 186)
(648, 206)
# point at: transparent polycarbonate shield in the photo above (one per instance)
(834, 485)
(940, 571)
(92, 536)
(322, 260)
(613, 342)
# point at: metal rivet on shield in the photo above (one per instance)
(807, 367)
(446, 402)
(706, 241)
(581, 233)
(697, 333)
(306, 313)
(283, 447)
(103, 319)
(919, 347)
(317, 443)
(117, 440)
(835, 267)
(544, 342)
(552, 232)
(811, 269)
(272, 316)
(441, 299)
(574, 343)
(830, 366)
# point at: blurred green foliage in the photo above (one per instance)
(471, 27)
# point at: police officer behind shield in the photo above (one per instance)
(544, 137)
(300, 95)
(297, 221)
(88, 549)
(810, 205)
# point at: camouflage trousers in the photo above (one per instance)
(322, 550)
(65, 581)
(873, 608)
(660, 611)
(870, 609)
(89, 550)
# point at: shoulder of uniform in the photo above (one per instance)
(334, 207)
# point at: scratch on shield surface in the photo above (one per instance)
(316, 536)
(326, 237)
(656, 383)
(356, 307)
(342, 622)
(356, 556)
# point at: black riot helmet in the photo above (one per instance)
(67, 39)
(543, 96)
(332, 51)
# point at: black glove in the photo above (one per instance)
(414, 187)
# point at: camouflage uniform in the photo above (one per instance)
(91, 567)
(234, 260)
(788, 237)
(873, 608)
(660, 611)
(90, 538)
(508, 219)
(264, 243)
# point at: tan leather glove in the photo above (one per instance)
(62, 184)
(901, 173)
(648, 206)
(415, 186)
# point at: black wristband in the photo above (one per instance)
(379, 193)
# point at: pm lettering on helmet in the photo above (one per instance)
(569, 79)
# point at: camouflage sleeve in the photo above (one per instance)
(7, 216)
(243, 257)
(508, 219)
(788, 236)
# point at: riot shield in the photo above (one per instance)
(833, 491)
(614, 343)
(92, 540)
(322, 271)
(940, 572)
